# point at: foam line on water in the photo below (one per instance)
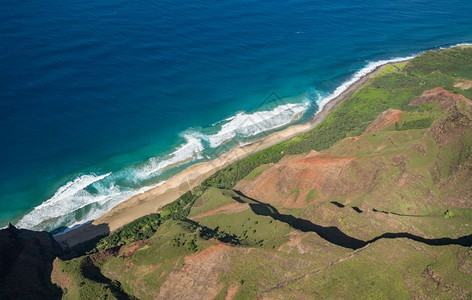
(227, 119)
(456, 45)
(63, 207)
(371, 66)
(72, 187)
(189, 151)
(68, 197)
(64, 211)
(246, 125)
(105, 204)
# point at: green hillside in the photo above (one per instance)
(382, 209)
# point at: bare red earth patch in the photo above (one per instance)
(198, 277)
(227, 209)
(442, 97)
(387, 118)
(289, 182)
(464, 85)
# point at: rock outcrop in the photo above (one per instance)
(26, 259)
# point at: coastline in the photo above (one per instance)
(154, 199)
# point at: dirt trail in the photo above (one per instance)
(329, 265)
(227, 209)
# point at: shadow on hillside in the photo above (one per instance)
(358, 210)
(340, 205)
(79, 241)
(465, 241)
(397, 214)
(91, 271)
(26, 264)
(209, 233)
(335, 236)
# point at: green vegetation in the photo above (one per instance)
(448, 214)
(145, 227)
(409, 177)
(312, 195)
(85, 281)
(400, 65)
(211, 199)
(256, 172)
(295, 192)
(249, 229)
(140, 229)
(351, 118)
(453, 62)
(465, 152)
(244, 226)
(180, 208)
(420, 118)
(415, 124)
(173, 240)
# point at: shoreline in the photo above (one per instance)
(154, 199)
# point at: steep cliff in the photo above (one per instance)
(26, 259)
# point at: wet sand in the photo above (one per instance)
(153, 200)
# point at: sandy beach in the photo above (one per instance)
(153, 200)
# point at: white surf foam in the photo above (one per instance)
(62, 210)
(456, 45)
(72, 197)
(371, 66)
(189, 151)
(246, 125)
(72, 187)
(104, 203)
(66, 204)
(66, 199)
(227, 119)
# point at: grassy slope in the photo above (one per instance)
(390, 90)
(310, 265)
(165, 250)
(389, 268)
(250, 229)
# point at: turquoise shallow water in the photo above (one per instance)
(97, 99)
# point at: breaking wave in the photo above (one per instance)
(371, 66)
(191, 150)
(89, 196)
(67, 198)
(246, 125)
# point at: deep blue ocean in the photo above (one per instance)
(100, 99)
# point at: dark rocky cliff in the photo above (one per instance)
(26, 259)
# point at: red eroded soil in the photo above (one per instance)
(442, 97)
(62, 279)
(387, 118)
(288, 182)
(131, 248)
(232, 291)
(464, 85)
(198, 277)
